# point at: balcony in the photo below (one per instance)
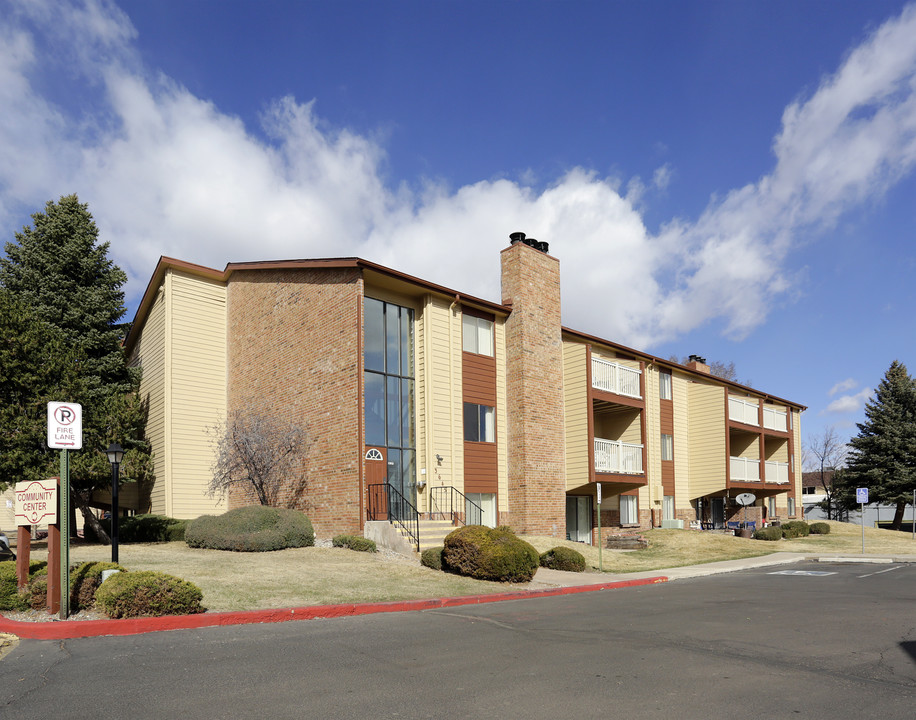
(615, 378)
(612, 456)
(744, 469)
(774, 419)
(742, 411)
(777, 472)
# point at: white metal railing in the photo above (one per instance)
(615, 378)
(774, 419)
(742, 411)
(777, 472)
(744, 469)
(618, 457)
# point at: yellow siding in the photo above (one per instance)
(149, 354)
(575, 392)
(679, 390)
(196, 390)
(502, 427)
(706, 417)
(442, 432)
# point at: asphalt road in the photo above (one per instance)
(768, 643)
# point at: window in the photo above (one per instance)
(486, 514)
(667, 447)
(791, 506)
(478, 423)
(388, 388)
(476, 335)
(579, 518)
(809, 490)
(629, 514)
(668, 507)
(771, 506)
(664, 385)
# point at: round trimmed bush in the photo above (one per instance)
(819, 528)
(85, 579)
(774, 532)
(432, 558)
(795, 529)
(148, 594)
(256, 528)
(489, 554)
(150, 529)
(563, 558)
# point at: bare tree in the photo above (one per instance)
(257, 451)
(826, 453)
(726, 371)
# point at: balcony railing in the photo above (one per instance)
(744, 469)
(618, 457)
(777, 472)
(774, 419)
(742, 411)
(615, 378)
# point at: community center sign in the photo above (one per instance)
(36, 502)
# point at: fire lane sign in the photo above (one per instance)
(65, 426)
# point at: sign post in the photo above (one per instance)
(862, 499)
(65, 433)
(600, 562)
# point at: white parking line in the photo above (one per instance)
(881, 571)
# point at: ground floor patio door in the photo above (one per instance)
(579, 518)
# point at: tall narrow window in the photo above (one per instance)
(389, 389)
(667, 447)
(478, 423)
(477, 335)
(664, 385)
(791, 506)
(629, 512)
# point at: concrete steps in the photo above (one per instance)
(433, 532)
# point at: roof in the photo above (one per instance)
(167, 263)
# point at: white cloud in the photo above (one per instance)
(168, 173)
(849, 403)
(842, 386)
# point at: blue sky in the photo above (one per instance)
(731, 179)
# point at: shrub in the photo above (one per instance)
(354, 542)
(432, 558)
(10, 597)
(795, 529)
(38, 592)
(489, 554)
(563, 558)
(819, 528)
(257, 528)
(773, 532)
(85, 579)
(148, 594)
(150, 528)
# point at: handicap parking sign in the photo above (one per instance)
(862, 496)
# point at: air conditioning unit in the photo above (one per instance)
(672, 524)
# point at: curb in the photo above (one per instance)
(65, 630)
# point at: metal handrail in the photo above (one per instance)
(398, 510)
(440, 505)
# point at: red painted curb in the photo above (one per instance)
(64, 630)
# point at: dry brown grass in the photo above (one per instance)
(288, 578)
(322, 576)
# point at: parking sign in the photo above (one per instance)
(862, 496)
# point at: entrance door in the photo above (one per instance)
(718, 513)
(579, 518)
(376, 471)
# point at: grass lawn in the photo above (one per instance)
(321, 576)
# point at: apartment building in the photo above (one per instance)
(421, 401)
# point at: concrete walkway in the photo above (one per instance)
(546, 583)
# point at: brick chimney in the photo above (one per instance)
(695, 362)
(534, 384)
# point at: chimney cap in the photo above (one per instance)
(516, 237)
(696, 358)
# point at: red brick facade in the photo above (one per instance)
(534, 385)
(294, 348)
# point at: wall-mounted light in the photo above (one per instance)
(438, 458)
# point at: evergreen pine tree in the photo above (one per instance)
(883, 455)
(60, 272)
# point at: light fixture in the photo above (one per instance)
(115, 454)
(438, 458)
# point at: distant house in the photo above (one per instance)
(420, 392)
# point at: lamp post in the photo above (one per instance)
(115, 453)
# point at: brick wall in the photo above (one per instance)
(294, 350)
(534, 384)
